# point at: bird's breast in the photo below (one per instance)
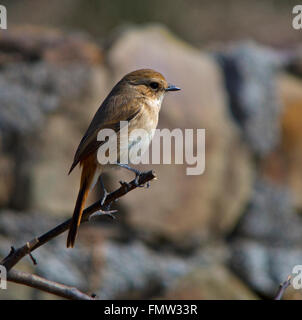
(140, 132)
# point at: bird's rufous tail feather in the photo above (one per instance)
(88, 172)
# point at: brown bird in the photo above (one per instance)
(136, 98)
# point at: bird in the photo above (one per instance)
(137, 99)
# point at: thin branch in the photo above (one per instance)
(17, 254)
(283, 286)
(43, 284)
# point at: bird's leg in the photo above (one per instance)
(105, 192)
(137, 174)
(104, 212)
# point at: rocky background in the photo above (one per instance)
(234, 232)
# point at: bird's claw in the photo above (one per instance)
(125, 184)
(136, 181)
(102, 213)
(138, 175)
(104, 197)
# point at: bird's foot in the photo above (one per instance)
(125, 184)
(104, 197)
(138, 174)
(136, 182)
(102, 213)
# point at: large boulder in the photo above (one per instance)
(284, 164)
(250, 73)
(187, 208)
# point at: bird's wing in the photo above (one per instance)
(113, 110)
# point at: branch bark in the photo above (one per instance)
(43, 284)
(283, 286)
(16, 255)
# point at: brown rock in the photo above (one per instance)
(39, 43)
(284, 164)
(51, 188)
(6, 177)
(212, 283)
(292, 294)
(49, 95)
(181, 206)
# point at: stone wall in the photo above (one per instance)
(231, 233)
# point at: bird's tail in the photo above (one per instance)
(87, 178)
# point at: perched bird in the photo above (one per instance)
(136, 98)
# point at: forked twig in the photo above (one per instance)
(17, 254)
(58, 289)
(43, 284)
(283, 286)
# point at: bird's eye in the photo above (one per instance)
(154, 85)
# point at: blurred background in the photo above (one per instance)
(234, 232)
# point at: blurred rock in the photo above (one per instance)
(132, 270)
(250, 75)
(267, 242)
(213, 282)
(263, 266)
(49, 90)
(284, 164)
(32, 43)
(97, 265)
(6, 177)
(294, 65)
(57, 145)
(292, 294)
(187, 208)
(55, 261)
(270, 216)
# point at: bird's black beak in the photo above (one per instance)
(171, 87)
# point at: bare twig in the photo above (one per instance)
(17, 254)
(33, 259)
(43, 284)
(283, 286)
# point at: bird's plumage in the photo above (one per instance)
(136, 98)
(115, 108)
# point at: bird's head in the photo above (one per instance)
(147, 83)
